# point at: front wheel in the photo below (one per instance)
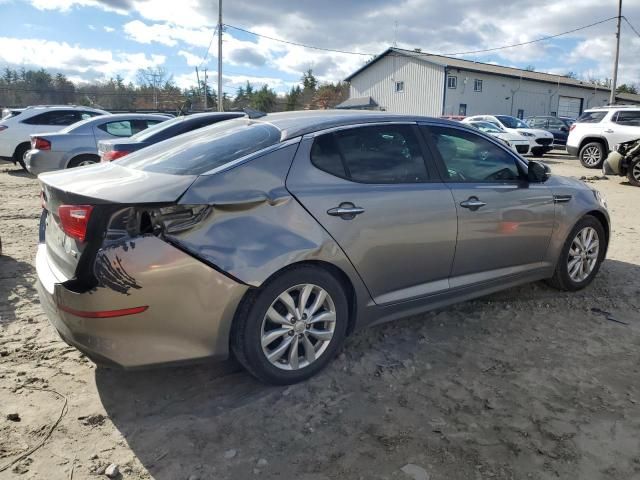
(592, 155)
(634, 173)
(292, 327)
(581, 256)
(20, 154)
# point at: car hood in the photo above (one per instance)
(510, 136)
(536, 131)
(105, 183)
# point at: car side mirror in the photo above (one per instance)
(538, 172)
(564, 129)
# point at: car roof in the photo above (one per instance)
(295, 124)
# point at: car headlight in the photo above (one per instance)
(527, 134)
(601, 198)
(506, 141)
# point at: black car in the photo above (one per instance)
(559, 126)
(113, 149)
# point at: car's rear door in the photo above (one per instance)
(625, 126)
(504, 222)
(370, 188)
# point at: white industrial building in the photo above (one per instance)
(412, 82)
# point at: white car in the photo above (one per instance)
(540, 141)
(15, 129)
(599, 130)
(517, 142)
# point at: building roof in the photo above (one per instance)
(358, 102)
(450, 62)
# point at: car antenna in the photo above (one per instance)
(251, 113)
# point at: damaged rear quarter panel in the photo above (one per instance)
(258, 227)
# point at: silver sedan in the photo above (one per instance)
(77, 145)
(275, 237)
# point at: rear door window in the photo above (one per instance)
(631, 119)
(55, 117)
(122, 128)
(377, 154)
(591, 117)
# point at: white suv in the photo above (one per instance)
(599, 130)
(17, 126)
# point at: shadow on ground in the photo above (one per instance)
(16, 285)
(483, 392)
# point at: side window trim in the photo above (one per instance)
(426, 131)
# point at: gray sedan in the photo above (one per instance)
(77, 145)
(276, 237)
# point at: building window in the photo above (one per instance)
(554, 114)
(462, 111)
(520, 114)
(477, 85)
(399, 87)
(452, 82)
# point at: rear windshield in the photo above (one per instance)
(148, 132)
(591, 117)
(204, 149)
(511, 122)
(8, 113)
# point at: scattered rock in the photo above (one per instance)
(14, 417)
(229, 454)
(112, 471)
(262, 462)
(415, 472)
(4, 353)
(93, 420)
(286, 392)
(193, 477)
(93, 457)
(256, 471)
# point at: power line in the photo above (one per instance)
(470, 52)
(206, 54)
(632, 27)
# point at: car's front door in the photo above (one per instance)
(371, 189)
(504, 222)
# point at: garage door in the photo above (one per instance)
(570, 107)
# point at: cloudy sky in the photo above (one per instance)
(96, 39)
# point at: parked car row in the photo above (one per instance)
(48, 138)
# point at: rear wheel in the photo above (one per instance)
(581, 256)
(20, 153)
(293, 326)
(592, 155)
(82, 160)
(634, 173)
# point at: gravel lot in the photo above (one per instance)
(528, 383)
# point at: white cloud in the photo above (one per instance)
(109, 29)
(167, 34)
(192, 60)
(91, 27)
(92, 63)
(118, 6)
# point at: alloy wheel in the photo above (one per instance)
(298, 327)
(583, 254)
(635, 171)
(86, 162)
(591, 156)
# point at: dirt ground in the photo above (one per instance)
(526, 384)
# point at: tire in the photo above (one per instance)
(252, 327)
(19, 154)
(82, 160)
(633, 174)
(592, 155)
(562, 278)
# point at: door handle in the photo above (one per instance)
(346, 211)
(608, 131)
(472, 203)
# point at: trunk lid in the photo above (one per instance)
(118, 187)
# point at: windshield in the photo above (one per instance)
(487, 127)
(201, 150)
(511, 122)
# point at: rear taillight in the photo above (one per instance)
(40, 143)
(572, 127)
(74, 220)
(113, 155)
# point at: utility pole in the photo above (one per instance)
(220, 95)
(614, 81)
(205, 88)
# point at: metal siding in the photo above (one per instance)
(534, 97)
(423, 85)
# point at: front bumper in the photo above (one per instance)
(191, 306)
(40, 161)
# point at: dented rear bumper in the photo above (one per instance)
(190, 305)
